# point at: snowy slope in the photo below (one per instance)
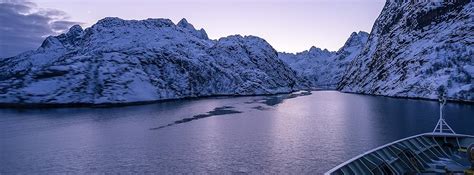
(414, 48)
(324, 69)
(121, 61)
(309, 64)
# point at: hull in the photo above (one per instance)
(420, 154)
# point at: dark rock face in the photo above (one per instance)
(122, 61)
(414, 48)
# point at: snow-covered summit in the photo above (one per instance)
(355, 41)
(201, 33)
(75, 31)
(115, 22)
(121, 61)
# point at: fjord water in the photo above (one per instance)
(296, 133)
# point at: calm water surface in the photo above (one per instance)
(263, 134)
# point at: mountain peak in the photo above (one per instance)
(363, 33)
(185, 24)
(318, 51)
(203, 34)
(109, 21)
(358, 34)
(117, 22)
(314, 48)
(357, 39)
(75, 30)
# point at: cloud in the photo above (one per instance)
(24, 26)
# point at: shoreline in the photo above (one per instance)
(124, 104)
(411, 98)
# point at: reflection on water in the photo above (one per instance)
(224, 110)
(286, 133)
(274, 100)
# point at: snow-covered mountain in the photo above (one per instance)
(415, 48)
(121, 61)
(309, 64)
(324, 69)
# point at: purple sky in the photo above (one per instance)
(288, 25)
